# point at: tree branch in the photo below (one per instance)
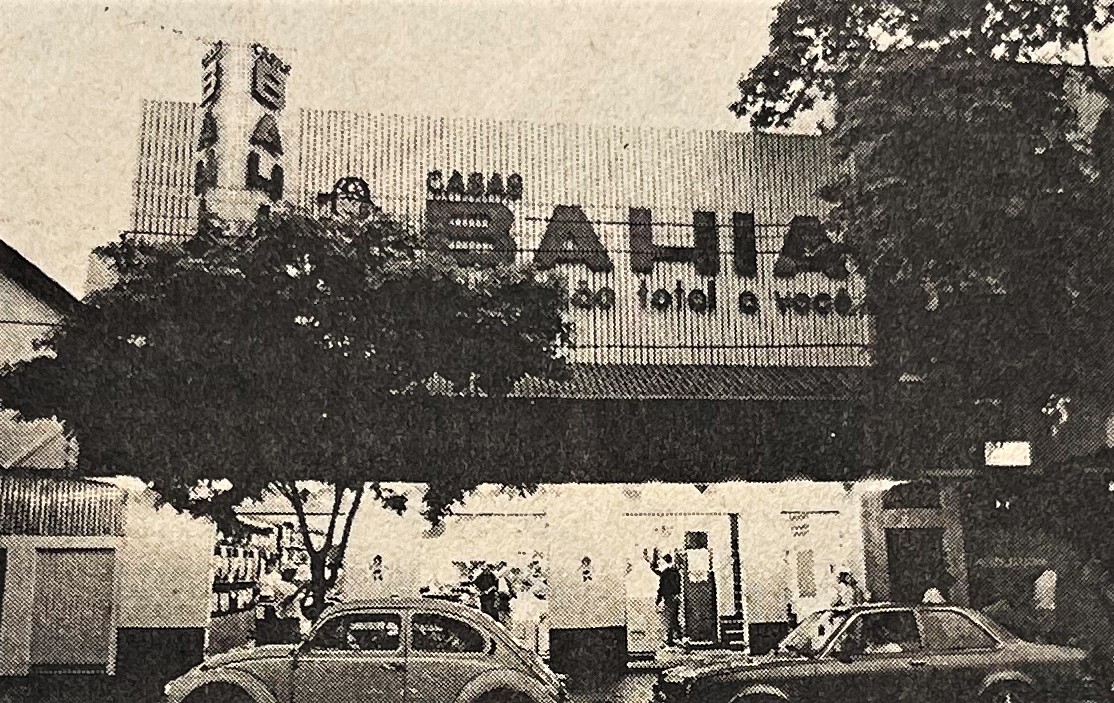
(291, 494)
(1091, 71)
(342, 548)
(338, 498)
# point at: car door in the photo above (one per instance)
(961, 653)
(879, 656)
(353, 658)
(445, 653)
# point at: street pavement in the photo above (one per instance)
(630, 687)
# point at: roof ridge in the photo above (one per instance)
(32, 278)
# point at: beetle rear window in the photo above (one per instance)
(438, 633)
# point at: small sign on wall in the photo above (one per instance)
(1008, 454)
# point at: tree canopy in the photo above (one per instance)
(973, 194)
(818, 46)
(300, 351)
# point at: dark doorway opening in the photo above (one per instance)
(916, 563)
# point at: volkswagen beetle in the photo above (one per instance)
(387, 651)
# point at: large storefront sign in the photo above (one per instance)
(471, 217)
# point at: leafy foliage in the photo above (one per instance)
(301, 351)
(818, 46)
(974, 193)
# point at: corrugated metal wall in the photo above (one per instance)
(164, 203)
(38, 505)
(605, 170)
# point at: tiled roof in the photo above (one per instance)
(15, 266)
(695, 382)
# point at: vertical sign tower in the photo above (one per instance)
(238, 154)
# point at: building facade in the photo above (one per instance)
(720, 344)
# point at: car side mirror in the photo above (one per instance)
(844, 656)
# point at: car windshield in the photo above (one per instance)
(813, 633)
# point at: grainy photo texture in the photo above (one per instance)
(538, 352)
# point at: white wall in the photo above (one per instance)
(164, 562)
(161, 574)
(612, 524)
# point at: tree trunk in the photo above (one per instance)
(318, 586)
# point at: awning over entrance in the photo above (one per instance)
(699, 382)
(563, 440)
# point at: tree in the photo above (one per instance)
(306, 350)
(818, 46)
(973, 196)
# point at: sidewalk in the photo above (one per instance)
(671, 657)
(631, 687)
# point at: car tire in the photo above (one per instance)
(219, 693)
(1010, 692)
(503, 695)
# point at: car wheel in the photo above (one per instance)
(504, 696)
(1009, 693)
(219, 693)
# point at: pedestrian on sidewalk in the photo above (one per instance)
(487, 587)
(848, 592)
(669, 596)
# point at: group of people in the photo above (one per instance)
(285, 601)
(495, 591)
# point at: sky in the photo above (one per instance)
(73, 76)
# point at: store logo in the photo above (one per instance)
(471, 219)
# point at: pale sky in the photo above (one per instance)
(73, 76)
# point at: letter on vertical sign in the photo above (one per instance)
(744, 244)
(208, 135)
(570, 239)
(266, 135)
(475, 234)
(211, 82)
(644, 253)
(205, 174)
(268, 80)
(257, 181)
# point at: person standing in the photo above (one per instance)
(487, 587)
(267, 618)
(848, 592)
(506, 595)
(669, 596)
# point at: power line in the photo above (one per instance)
(34, 222)
(116, 14)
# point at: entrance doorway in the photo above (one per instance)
(72, 625)
(916, 562)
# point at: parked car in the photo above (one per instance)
(387, 651)
(884, 653)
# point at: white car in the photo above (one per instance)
(386, 651)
